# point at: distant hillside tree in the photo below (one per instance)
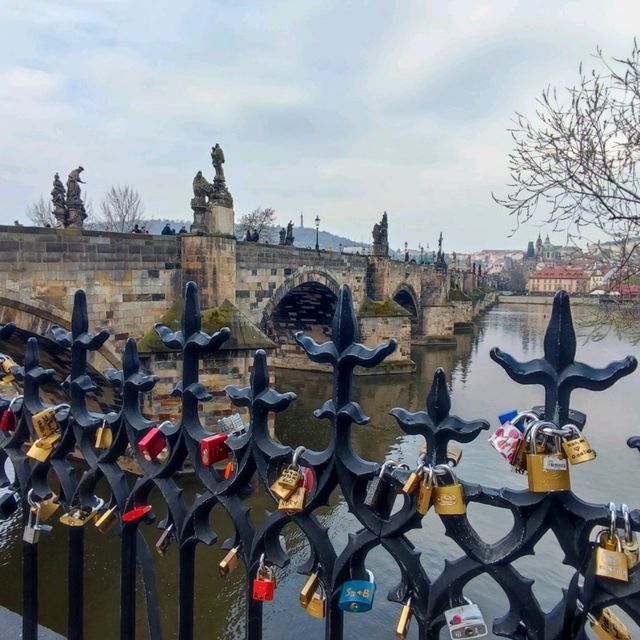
(39, 212)
(259, 220)
(121, 209)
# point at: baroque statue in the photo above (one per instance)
(381, 237)
(73, 185)
(217, 159)
(57, 193)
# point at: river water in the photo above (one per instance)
(479, 389)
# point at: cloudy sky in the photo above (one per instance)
(331, 108)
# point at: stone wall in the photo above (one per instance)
(376, 330)
(438, 321)
(129, 278)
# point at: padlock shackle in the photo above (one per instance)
(613, 516)
(372, 578)
(532, 433)
(522, 415)
(609, 537)
(14, 400)
(442, 469)
(296, 454)
(628, 532)
(387, 463)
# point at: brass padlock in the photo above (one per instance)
(48, 507)
(608, 626)
(413, 481)
(286, 483)
(405, 620)
(425, 491)
(6, 364)
(229, 562)
(45, 423)
(310, 587)
(577, 449)
(448, 500)
(546, 471)
(42, 448)
(317, 606)
(610, 563)
(165, 539)
(106, 520)
(80, 516)
(630, 543)
(454, 454)
(104, 436)
(294, 503)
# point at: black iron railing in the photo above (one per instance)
(37, 445)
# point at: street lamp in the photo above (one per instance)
(406, 252)
(317, 232)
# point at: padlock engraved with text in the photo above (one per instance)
(608, 626)
(575, 446)
(287, 482)
(448, 499)
(264, 583)
(357, 595)
(466, 621)
(610, 562)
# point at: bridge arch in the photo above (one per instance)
(36, 318)
(405, 295)
(305, 301)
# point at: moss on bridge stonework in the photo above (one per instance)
(244, 334)
(381, 308)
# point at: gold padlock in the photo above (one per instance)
(48, 507)
(104, 436)
(546, 471)
(413, 481)
(448, 500)
(229, 562)
(45, 423)
(42, 448)
(310, 587)
(294, 503)
(405, 620)
(608, 626)
(106, 520)
(286, 483)
(317, 606)
(454, 454)
(423, 500)
(80, 516)
(577, 449)
(610, 563)
(6, 364)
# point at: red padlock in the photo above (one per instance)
(7, 421)
(263, 584)
(306, 479)
(136, 513)
(213, 449)
(152, 444)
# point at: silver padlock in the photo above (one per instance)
(33, 528)
(466, 621)
(630, 546)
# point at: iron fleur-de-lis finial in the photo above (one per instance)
(558, 372)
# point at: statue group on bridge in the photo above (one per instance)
(68, 208)
(381, 237)
(286, 235)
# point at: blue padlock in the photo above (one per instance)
(507, 417)
(357, 595)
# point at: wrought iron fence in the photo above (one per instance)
(37, 440)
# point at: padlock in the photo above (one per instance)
(264, 583)
(104, 436)
(8, 421)
(454, 454)
(413, 481)
(165, 539)
(79, 516)
(448, 500)
(228, 470)
(307, 478)
(6, 364)
(405, 620)
(608, 626)
(213, 449)
(106, 520)
(42, 448)
(381, 496)
(152, 444)
(229, 562)
(630, 543)
(466, 621)
(45, 423)
(357, 595)
(295, 502)
(33, 528)
(546, 471)
(289, 479)
(137, 513)
(610, 563)
(310, 587)
(317, 605)
(576, 448)
(425, 492)
(48, 507)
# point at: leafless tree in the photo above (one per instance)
(121, 208)
(39, 212)
(575, 165)
(262, 221)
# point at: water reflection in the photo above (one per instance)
(479, 388)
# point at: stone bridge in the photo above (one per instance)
(264, 292)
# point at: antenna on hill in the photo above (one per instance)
(301, 221)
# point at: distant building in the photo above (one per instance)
(550, 279)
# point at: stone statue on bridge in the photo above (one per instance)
(76, 213)
(59, 203)
(217, 159)
(283, 236)
(381, 237)
(201, 188)
(289, 236)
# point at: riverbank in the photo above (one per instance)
(548, 300)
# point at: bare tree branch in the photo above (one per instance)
(262, 221)
(39, 212)
(121, 208)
